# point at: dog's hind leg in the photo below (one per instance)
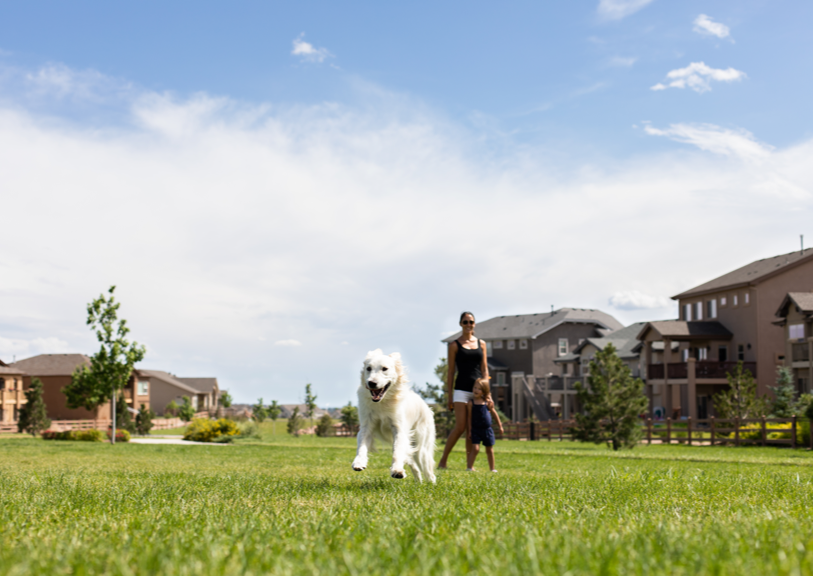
(416, 470)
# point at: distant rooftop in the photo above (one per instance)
(51, 364)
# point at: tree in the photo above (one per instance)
(612, 402)
(324, 425)
(123, 418)
(437, 395)
(740, 400)
(260, 412)
(226, 399)
(33, 416)
(111, 367)
(310, 402)
(186, 412)
(350, 416)
(143, 423)
(273, 412)
(171, 409)
(784, 404)
(295, 422)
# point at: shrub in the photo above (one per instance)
(186, 411)
(295, 422)
(324, 425)
(121, 435)
(56, 435)
(88, 435)
(249, 429)
(171, 410)
(144, 420)
(203, 430)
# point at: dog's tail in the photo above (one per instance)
(426, 444)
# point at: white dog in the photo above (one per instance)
(390, 411)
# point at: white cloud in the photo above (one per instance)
(622, 61)
(711, 138)
(618, 9)
(698, 77)
(60, 81)
(288, 343)
(705, 25)
(635, 300)
(307, 52)
(21, 348)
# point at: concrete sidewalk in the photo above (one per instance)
(172, 441)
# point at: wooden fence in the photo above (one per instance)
(723, 431)
(63, 425)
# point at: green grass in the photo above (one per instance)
(287, 505)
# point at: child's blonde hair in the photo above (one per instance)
(485, 385)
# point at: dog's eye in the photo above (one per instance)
(369, 368)
(384, 368)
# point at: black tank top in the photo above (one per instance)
(468, 363)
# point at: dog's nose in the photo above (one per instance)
(372, 384)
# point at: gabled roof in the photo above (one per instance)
(51, 364)
(167, 378)
(750, 274)
(494, 364)
(11, 371)
(682, 330)
(624, 341)
(533, 325)
(802, 300)
(204, 385)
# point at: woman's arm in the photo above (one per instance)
(450, 357)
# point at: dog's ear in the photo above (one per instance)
(395, 356)
(372, 353)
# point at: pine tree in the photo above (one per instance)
(225, 399)
(295, 422)
(612, 402)
(144, 420)
(33, 416)
(259, 411)
(123, 419)
(186, 412)
(310, 402)
(273, 412)
(350, 416)
(740, 400)
(784, 404)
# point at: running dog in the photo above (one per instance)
(390, 411)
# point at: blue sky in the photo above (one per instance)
(278, 188)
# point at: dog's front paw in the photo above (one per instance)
(397, 473)
(358, 465)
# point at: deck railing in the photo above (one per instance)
(800, 352)
(703, 369)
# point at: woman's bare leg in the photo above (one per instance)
(459, 429)
(472, 456)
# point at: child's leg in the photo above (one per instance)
(490, 454)
(475, 449)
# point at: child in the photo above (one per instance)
(479, 421)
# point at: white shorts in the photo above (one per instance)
(462, 396)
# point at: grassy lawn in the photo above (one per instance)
(289, 505)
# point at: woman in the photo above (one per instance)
(468, 355)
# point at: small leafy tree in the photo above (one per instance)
(273, 412)
(784, 404)
(260, 412)
(295, 422)
(225, 399)
(310, 402)
(437, 396)
(171, 409)
(143, 421)
(612, 402)
(186, 412)
(123, 419)
(740, 400)
(324, 425)
(111, 366)
(350, 416)
(33, 416)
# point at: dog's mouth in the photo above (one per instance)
(378, 393)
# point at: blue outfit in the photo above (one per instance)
(481, 430)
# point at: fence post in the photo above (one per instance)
(649, 431)
(712, 430)
(763, 430)
(736, 431)
(793, 432)
(561, 437)
(689, 429)
(668, 430)
(533, 430)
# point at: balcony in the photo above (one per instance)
(800, 352)
(704, 369)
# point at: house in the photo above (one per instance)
(522, 352)
(12, 397)
(287, 409)
(796, 319)
(208, 392)
(723, 321)
(164, 387)
(55, 371)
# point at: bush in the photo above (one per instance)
(186, 411)
(203, 430)
(295, 422)
(76, 435)
(249, 429)
(144, 421)
(54, 435)
(121, 435)
(324, 425)
(171, 410)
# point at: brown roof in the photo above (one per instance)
(168, 378)
(752, 273)
(200, 384)
(681, 330)
(51, 364)
(802, 300)
(11, 371)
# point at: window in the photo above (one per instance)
(684, 355)
(747, 299)
(796, 331)
(563, 346)
(703, 353)
(740, 352)
(497, 344)
(734, 300)
(698, 310)
(523, 344)
(2, 384)
(512, 344)
(489, 348)
(687, 312)
(711, 308)
(722, 353)
(143, 387)
(723, 301)
(500, 378)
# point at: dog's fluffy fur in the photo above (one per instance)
(390, 411)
